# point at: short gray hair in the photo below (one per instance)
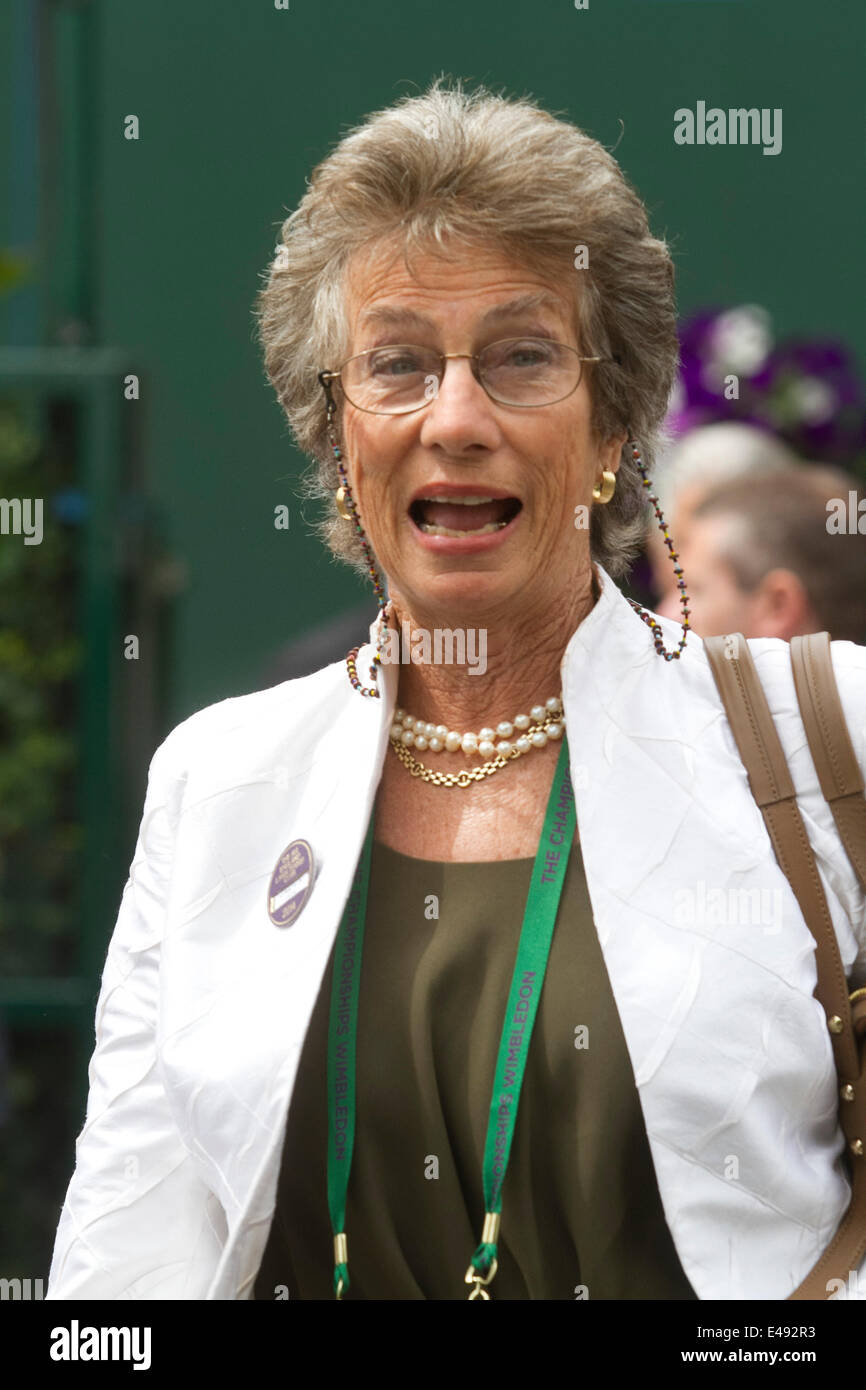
(476, 167)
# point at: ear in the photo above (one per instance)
(781, 605)
(610, 452)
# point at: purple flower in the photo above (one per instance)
(806, 392)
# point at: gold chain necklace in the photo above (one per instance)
(467, 776)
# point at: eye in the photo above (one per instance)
(520, 353)
(527, 356)
(394, 362)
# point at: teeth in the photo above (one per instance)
(430, 530)
(463, 501)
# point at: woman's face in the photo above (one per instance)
(462, 442)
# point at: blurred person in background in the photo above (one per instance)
(700, 460)
(775, 555)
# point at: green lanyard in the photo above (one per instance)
(545, 890)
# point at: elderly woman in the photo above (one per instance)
(412, 994)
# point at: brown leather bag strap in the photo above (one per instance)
(773, 789)
(842, 784)
(830, 743)
(772, 786)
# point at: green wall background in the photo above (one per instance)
(237, 102)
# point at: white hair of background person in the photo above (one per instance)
(713, 454)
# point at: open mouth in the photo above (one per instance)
(463, 516)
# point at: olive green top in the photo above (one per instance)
(581, 1212)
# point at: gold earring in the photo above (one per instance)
(340, 496)
(608, 485)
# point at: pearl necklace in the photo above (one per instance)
(533, 731)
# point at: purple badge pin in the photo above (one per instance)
(291, 884)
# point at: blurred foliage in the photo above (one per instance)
(39, 661)
(39, 836)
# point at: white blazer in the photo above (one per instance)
(205, 1004)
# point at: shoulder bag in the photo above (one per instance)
(773, 789)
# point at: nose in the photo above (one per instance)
(460, 414)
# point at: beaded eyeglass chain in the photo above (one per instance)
(650, 621)
(384, 604)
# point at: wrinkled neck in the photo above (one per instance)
(466, 677)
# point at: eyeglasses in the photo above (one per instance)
(399, 377)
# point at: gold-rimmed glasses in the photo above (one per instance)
(399, 378)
